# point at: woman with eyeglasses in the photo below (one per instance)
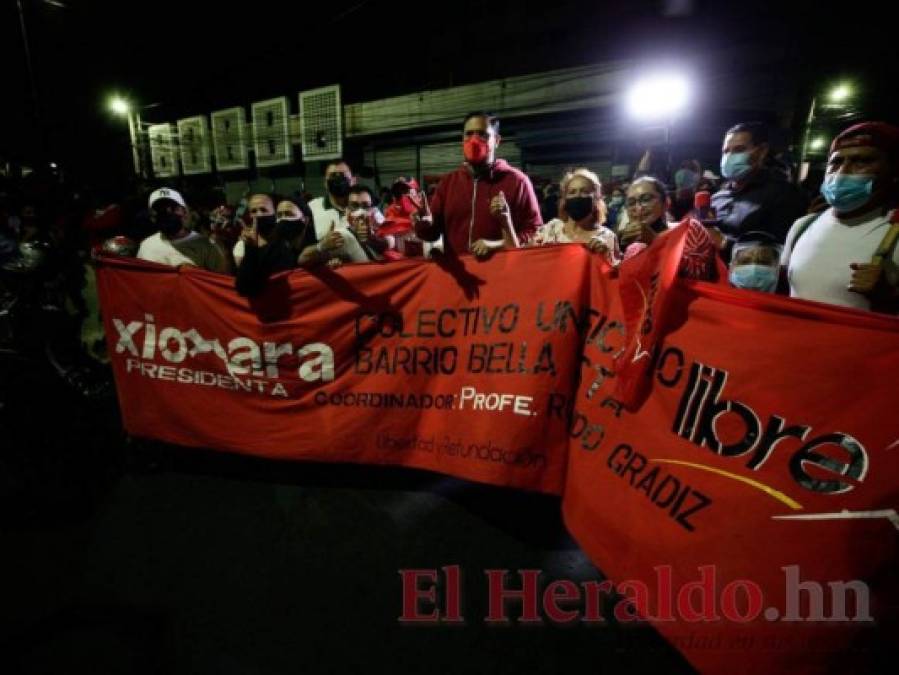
(647, 204)
(582, 214)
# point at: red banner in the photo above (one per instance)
(753, 468)
(751, 499)
(454, 368)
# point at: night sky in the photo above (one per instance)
(196, 57)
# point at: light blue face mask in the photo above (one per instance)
(685, 179)
(754, 277)
(847, 192)
(735, 165)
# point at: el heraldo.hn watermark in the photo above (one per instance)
(438, 596)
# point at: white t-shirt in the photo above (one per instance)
(156, 249)
(324, 216)
(818, 263)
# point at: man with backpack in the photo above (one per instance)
(847, 255)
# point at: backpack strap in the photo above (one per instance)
(885, 299)
(804, 225)
(888, 243)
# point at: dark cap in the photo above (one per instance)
(869, 134)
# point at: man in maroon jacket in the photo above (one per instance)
(485, 204)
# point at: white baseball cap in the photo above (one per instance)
(166, 193)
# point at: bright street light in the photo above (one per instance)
(119, 106)
(122, 107)
(818, 144)
(658, 97)
(840, 93)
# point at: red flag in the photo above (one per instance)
(645, 281)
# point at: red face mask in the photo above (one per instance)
(476, 149)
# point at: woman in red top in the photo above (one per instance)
(397, 227)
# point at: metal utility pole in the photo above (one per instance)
(32, 80)
(805, 140)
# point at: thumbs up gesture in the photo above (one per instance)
(333, 240)
(499, 207)
(249, 234)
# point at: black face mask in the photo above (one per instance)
(339, 185)
(579, 207)
(265, 225)
(169, 224)
(289, 229)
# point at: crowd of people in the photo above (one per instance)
(754, 220)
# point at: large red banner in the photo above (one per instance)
(455, 368)
(712, 441)
(754, 488)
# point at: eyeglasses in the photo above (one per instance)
(642, 200)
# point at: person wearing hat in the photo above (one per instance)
(847, 255)
(174, 244)
(754, 198)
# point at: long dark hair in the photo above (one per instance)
(287, 231)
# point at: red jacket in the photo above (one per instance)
(462, 225)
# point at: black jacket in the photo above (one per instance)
(279, 255)
(766, 203)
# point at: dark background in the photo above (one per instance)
(200, 56)
(138, 558)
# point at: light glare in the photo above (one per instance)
(658, 97)
(119, 106)
(840, 93)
